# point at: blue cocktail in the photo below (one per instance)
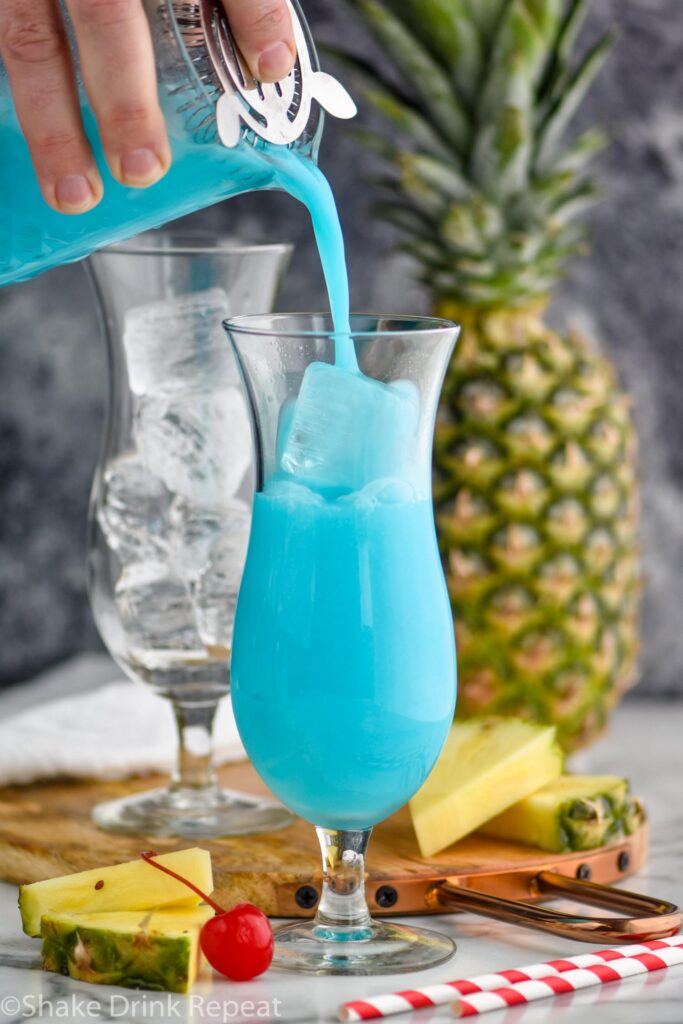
(343, 666)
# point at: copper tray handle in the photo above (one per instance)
(655, 918)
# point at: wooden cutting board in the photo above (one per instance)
(46, 830)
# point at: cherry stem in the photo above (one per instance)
(149, 856)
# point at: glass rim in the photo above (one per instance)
(246, 325)
(189, 243)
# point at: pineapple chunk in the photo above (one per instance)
(134, 885)
(486, 765)
(575, 812)
(156, 950)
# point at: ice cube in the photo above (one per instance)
(155, 609)
(199, 534)
(284, 427)
(198, 443)
(133, 513)
(215, 596)
(384, 491)
(289, 492)
(176, 344)
(348, 429)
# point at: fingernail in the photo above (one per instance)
(73, 193)
(141, 167)
(275, 62)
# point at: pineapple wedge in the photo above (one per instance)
(575, 812)
(134, 885)
(486, 765)
(156, 950)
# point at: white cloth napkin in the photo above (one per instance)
(109, 731)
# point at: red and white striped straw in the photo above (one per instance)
(569, 981)
(443, 994)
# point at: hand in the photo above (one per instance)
(117, 66)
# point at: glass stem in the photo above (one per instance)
(195, 769)
(342, 903)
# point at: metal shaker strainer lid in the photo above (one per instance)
(280, 113)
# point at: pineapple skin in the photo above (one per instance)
(159, 952)
(537, 514)
(133, 885)
(575, 813)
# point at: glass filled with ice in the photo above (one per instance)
(343, 667)
(171, 502)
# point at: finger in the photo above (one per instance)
(117, 64)
(36, 54)
(264, 34)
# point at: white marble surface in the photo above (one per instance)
(645, 741)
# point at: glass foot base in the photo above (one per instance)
(376, 948)
(191, 813)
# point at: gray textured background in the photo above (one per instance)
(629, 293)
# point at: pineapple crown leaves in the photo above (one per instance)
(481, 177)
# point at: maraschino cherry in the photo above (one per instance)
(237, 943)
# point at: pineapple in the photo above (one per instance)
(575, 812)
(485, 766)
(535, 480)
(156, 950)
(134, 885)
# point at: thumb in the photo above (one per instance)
(263, 31)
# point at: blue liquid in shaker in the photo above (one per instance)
(34, 238)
